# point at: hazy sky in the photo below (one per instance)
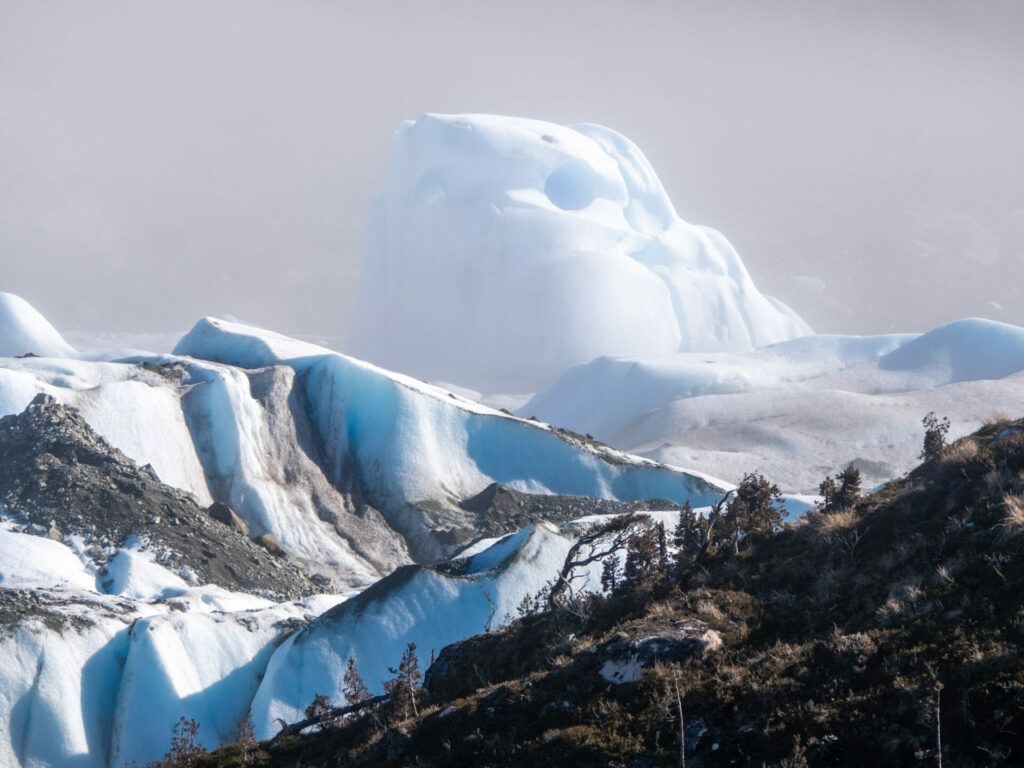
(162, 161)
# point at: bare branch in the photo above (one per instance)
(594, 545)
(333, 713)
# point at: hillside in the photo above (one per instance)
(867, 635)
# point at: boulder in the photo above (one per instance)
(222, 513)
(623, 660)
(272, 545)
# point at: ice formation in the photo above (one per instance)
(353, 469)
(23, 330)
(796, 410)
(294, 437)
(141, 658)
(417, 450)
(97, 680)
(416, 604)
(504, 250)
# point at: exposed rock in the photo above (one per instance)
(224, 514)
(61, 478)
(499, 509)
(55, 609)
(397, 742)
(272, 545)
(294, 460)
(172, 371)
(623, 660)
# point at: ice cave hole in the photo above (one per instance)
(572, 186)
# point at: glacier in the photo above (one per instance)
(428, 606)
(155, 649)
(330, 455)
(357, 471)
(416, 451)
(504, 250)
(797, 410)
(96, 679)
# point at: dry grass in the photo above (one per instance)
(997, 419)
(708, 608)
(961, 451)
(890, 611)
(664, 609)
(1013, 517)
(944, 573)
(832, 524)
(996, 480)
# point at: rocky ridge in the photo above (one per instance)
(58, 478)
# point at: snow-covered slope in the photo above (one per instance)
(799, 409)
(135, 409)
(505, 250)
(23, 330)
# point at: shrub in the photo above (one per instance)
(935, 431)
(184, 750)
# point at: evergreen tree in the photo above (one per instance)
(840, 492)
(319, 709)
(688, 534)
(753, 512)
(404, 686)
(245, 738)
(641, 558)
(662, 547)
(610, 573)
(849, 487)
(828, 491)
(184, 751)
(353, 688)
(935, 431)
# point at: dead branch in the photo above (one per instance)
(596, 543)
(334, 713)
